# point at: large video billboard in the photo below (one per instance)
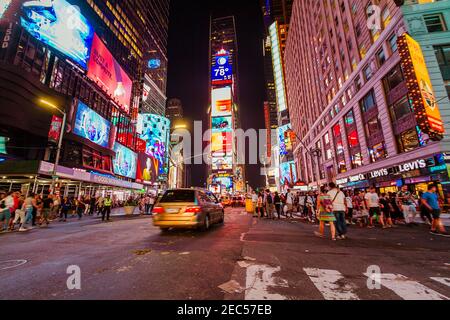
(154, 130)
(222, 71)
(221, 143)
(108, 74)
(288, 173)
(147, 169)
(285, 144)
(220, 124)
(125, 161)
(60, 25)
(221, 102)
(90, 125)
(222, 163)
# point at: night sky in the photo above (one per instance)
(189, 65)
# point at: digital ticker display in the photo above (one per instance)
(60, 25)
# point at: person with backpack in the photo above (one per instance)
(339, 209)
(278, 204)
(325, 214)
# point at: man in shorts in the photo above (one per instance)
(373, 203)
(431, 202)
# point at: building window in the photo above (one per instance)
(443, 58)
(401, 108)
(381, 57)
(393, 43)
(435, 22)
(386, 17)
(377, 152)
(373, 127)
(408, 140)
(393, 78)
(357, 160)
(368, 102)
(368, 72)
(339, 148)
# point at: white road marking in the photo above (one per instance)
(260, 281)
(442, 280)
(326, 281)
(408, 289)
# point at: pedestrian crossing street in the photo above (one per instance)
(262, 283)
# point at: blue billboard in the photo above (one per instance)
(60, 25)
(221, 124)
(288, 173)
(285, 144)
(222, 71)
(125, 161)
(90, 125)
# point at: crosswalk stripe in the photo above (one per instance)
(408, 289)
(326, 281)
(260, 280)
(442, 280)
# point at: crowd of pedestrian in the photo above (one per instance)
(331, 206)
(23, 212)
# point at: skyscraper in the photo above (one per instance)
(224, 172)
(174, 109)
(357, 93)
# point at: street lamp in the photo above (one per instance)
(61, 134)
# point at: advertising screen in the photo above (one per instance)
(147, 169)
(154, 130)
(288, 173)
(222, 163)
(55, 129)
(420, 87)
(221, 102)
(60, 25)
(125, 161)
(221, 143)
(90, 125)
(227, 182)
(106, 71)
(222, 71)
(285, 144)
(220, 124)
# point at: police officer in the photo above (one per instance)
(107, 203)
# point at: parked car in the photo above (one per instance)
(187, 208)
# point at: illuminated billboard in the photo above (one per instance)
(4, 4)
(222, 163)
(285, 144)
(221, 102)
(90, 125)
(227, 182)
(288, 173)
(108, 74)
(278, 70)
(60, 25)
(155, 130)
(220, 124)
(222, 71)
(125, 161)
(221, 143)
(420, 88)
(147, 169)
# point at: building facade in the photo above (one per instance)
(348, 86)
(95, 78)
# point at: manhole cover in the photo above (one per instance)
(9, 264)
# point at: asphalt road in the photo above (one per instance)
(246, 258)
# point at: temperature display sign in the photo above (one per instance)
(222, 71)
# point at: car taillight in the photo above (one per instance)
(193, 209)
(157, 210)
